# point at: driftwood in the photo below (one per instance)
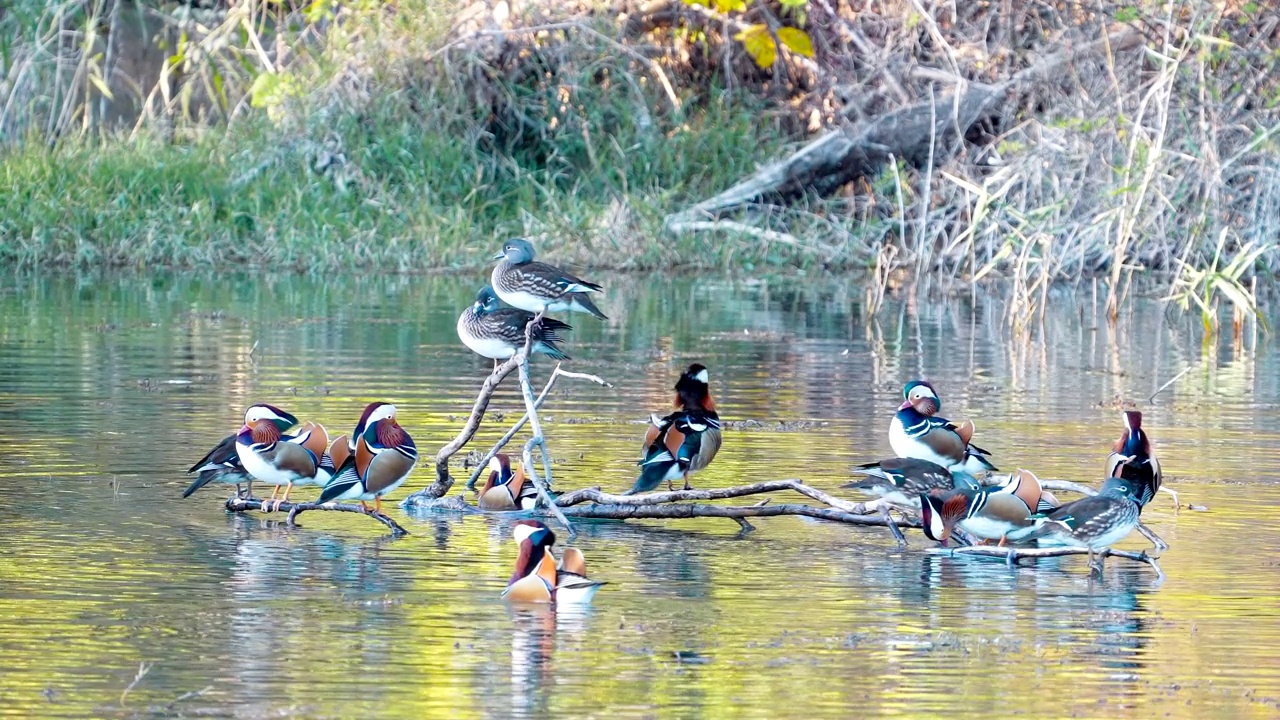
(239, 504)
(920, 134)
(1012, 555)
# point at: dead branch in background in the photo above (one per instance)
(239, 504)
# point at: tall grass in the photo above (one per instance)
(322, 135)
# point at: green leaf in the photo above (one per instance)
(759, 44)
(797, 40)
(793, 5)
(264, 89)
(1125, 15)
(99, 83)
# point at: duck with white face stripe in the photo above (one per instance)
(915, 432)
(273, 457)
(539, 578)
(684, 442)
(382, 456)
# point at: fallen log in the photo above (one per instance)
(918, 133)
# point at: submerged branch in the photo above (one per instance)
(1011, 555)
(237, 504)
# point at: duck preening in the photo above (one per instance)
(915, 432)
(995, 512)
(1094, 522)
(381, 456)
(901, 482)
(539, 578)
(505, 489)
(271, 456)
(220, 465)
(498, 333)
(538, 287)
(1132, 459)
(684, 442)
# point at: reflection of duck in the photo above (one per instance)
(538, 578)
(914, 432)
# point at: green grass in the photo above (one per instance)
(410, 192)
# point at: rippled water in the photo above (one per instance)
(111, 387)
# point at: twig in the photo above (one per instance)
(187, 696)
(235, 504)
(557, 373)
(1012, 555)
(143, 669)
(662, 498)
(540, 482)
(443, 481)
(688, 510)
(1175, 379)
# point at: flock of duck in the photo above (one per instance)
(935, 474)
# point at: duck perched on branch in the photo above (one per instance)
(381, 458)
(684, 442)
(498, 333)
(915, 432)
(538, 287)
(901, 481)
(1132, 459)
(273, 457)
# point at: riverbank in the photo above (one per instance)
(416, 138)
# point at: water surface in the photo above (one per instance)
(111, 387)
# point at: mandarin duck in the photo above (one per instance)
(275, 458)
(381, 456)
(538, 578)
(916, 433)
(506, 490)
(684, 442)
(220, 465)
(498, 333)
(1132, 459)
(990, 513)
(901, 481)
(538, 287)
(1093, 522)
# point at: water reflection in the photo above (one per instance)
(113, 386)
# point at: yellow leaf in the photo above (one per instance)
(759, 44)
(99, 83)
(796, 39)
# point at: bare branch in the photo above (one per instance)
(236, 504)
(1012, 555)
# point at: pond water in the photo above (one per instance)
(111, 387)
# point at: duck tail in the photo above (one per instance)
(580, 302)
(206, 477)
(343, 480)
(549, 348)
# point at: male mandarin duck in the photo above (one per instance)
(991, 513)
(901, 481)
(538, 578)
(1094, 522)
(273, 457)
(685, 441)
(1132, 459)
(498, 333)
(221, 465)
(539, 287)
(507, 490)
(380, 459)
(916, 433)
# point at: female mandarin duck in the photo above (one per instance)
(1093, 522)
(538, 578)
(685, 441)
(539, 287)
(380, 459)
(506, 490)
(273, 457)
(1132, 459)
(916, 433)
(901, 481)
(498, 333)
(221, 465)
(991, 513)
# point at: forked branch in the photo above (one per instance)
(239, 504)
